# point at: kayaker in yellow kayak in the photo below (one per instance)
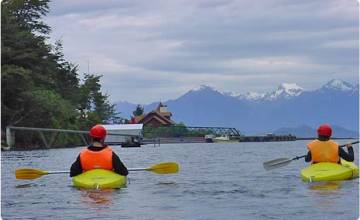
(323, 149)
(98, 155)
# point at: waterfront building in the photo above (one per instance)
(156, 118)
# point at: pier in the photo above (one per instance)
(267, 138)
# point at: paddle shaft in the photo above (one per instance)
(131, 169)
(64, 171)
(56, 172)
(138, 169)
(299, 157)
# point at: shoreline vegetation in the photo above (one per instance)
(39, 87)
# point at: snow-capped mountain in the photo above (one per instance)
(285, 90)
(336, 84)
(337, 103)
(232, 94)
(253, 96)
(203, 88)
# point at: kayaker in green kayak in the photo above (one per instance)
(98, 155)
(323, 149)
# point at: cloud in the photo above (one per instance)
(163, 48)
(342, 44)
(114, 21)
(273, 65)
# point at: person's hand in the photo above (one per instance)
(348, 145)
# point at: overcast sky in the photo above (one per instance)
(157, 50)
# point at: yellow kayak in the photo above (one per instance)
(99, 179)
(330, 171)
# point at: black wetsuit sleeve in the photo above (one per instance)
(347, 156)
(308, 157)
(118, 166)
(76, 168)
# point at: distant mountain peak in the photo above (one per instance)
(337, 84)
(232, 94)
(291, 87)
(203, 87)
(254, 96)
(284, 90)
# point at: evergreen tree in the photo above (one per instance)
(39, 87)
(138, 111)
(94, 105)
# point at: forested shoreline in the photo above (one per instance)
(39, 87)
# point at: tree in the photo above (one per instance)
(94, 105)
(66, 77)
(27, 14)
(39, 87)
(138, 111)
(23, 56)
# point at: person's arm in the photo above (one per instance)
(76, 168)
(308, 157)
(118, 166)
(347, 156)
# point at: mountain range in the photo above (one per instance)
(287, 108)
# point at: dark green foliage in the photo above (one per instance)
(39, 87)
(138, 111)
(94, 106)
(27, 14)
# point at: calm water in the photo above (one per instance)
(216, 181)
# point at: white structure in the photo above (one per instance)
(124, 133)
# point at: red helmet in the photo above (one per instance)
(98, 131)
(324, 130)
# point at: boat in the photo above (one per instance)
(5, 148)
(209, 138)
(326, 171)
(99, 179)
(222, 138)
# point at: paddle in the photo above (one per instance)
(272, 164)
(161, 168)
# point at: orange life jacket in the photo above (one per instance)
(324, 151)
(96, 159)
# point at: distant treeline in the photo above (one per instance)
(39, 87)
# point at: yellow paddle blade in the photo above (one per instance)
(29, 173)
(164, 168)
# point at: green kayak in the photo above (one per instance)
(99, 179)
(330, 171)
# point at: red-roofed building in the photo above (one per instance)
(156, 118)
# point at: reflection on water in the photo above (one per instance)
(326, 194)
(97, 196)
(32, 185)
(328, 185)
(166, 183)
(25, 185)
